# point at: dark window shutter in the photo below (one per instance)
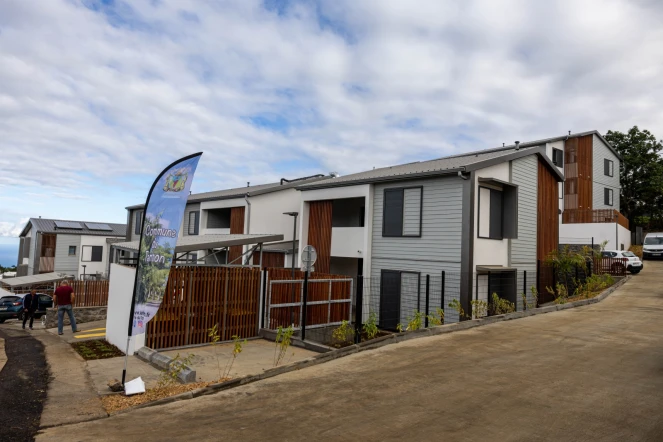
(196, 223)
(138, 222)
(606, 168)
(393, 213)
(97, 253)
(495, 214)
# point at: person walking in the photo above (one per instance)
(30, 306)
(63, 298)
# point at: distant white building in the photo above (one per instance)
(72, 248)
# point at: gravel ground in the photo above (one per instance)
(23, 383)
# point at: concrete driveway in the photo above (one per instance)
(590, 373)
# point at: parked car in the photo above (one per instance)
(652, 247)
(628, 259)
(11, 307)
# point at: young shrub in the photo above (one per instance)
(561, 295)
(501, 306)
(535, 297)
(479, 308)
(371, 326)
(344, 333)
(415, 322)
(213, 334)
(399, 327)
(455, 304)
(283, 339)
(436, 319)
(237, 349)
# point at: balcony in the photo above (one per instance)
(46, 264)
(585, 216)
(348, 242)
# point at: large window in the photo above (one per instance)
(138, 222)
(402, 212)
(193, 223)
(218, 218)
(558, 157)
(608, 167)
(608, 196)
(498, 211)
(92, 253)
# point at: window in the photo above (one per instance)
(92, 253)
(608, 167)
(217, 219)
(402, 212)
(558, 157)
(72, 250)
(192, 258)
(498, 211)
(607, 196)
(138, 222)
(193, 223)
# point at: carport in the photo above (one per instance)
(44, 282)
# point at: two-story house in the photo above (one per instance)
(73, 248)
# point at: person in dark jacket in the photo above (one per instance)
(30, 305)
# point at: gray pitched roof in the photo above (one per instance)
(239, 192)
(44, 225)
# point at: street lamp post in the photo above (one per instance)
(294, 239)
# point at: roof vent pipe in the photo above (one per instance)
(517, 145)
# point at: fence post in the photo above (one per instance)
(427, 299)
(359, 308)
(264, 297)
(442, 290)
(188, 308)
(304, 296)
(525, 288)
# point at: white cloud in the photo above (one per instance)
(92, 100)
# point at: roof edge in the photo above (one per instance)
(387, 179)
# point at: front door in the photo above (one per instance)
(390, 299)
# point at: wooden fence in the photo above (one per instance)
(197, 298)
(90, 293)
(290, 293)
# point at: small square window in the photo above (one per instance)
(558, 157)
(72, 250)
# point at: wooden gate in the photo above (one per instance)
(197, 298)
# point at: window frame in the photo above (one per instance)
(608, 166)
(479, 214)
(421, 211)
(138, 222)
(101, 259)
(608, 197)
(196, 229)
(69, 251)
(561, 153)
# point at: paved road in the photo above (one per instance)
(23, 381)
(590, 373)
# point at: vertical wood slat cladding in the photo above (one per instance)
(317, 291)
(89, 293)
(236, 227)
(269, 259)
(320, 232)
(235, 312)
(578, 173)
(547, 221)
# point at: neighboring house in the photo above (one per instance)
(69, 247)
(489, 212)
(255, 209)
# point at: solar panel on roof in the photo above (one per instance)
(68, 225)
(97, 226)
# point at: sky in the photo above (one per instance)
(98, 96)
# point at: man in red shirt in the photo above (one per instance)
(63, 299)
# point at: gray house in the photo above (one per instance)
(70, 247)
(483, 218)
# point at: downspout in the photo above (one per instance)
(460, 174)
(248, 217)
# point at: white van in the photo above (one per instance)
(652, 247)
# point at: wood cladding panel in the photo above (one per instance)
(236, 227)
(269, 259)
(90, 293)
(320, 232)
(578, 165)
(547, 222)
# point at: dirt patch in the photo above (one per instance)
(117, 402)
(96, 349)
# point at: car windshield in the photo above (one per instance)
(654, 241)
(628, 254)
(9, 299)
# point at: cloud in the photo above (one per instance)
(12, 229)
(99, 96)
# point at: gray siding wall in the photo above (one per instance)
(132, 225)
(600, 180)
(438, 248)
(63, 262)
(411, 211)
(189, 208)
(30, 241)
(524, 173)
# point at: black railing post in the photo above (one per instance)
(442, 292)
(304, 303)
(525, 288)
(359, 308)
(427, 299)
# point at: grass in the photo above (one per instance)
(96, 349)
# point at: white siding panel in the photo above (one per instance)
(411, 211)
(63, 262)
(600, 180)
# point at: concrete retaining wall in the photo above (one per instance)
(82, 315)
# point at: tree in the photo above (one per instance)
(641, 174)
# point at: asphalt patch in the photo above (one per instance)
(23, 384)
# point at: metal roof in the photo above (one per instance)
(31, 279)
(200, 242)
(240, 192)
(44, 225)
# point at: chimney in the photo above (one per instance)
(517, 145)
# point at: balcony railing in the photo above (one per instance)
(582, 216)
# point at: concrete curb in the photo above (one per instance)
(373, 344)
(163, 362)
